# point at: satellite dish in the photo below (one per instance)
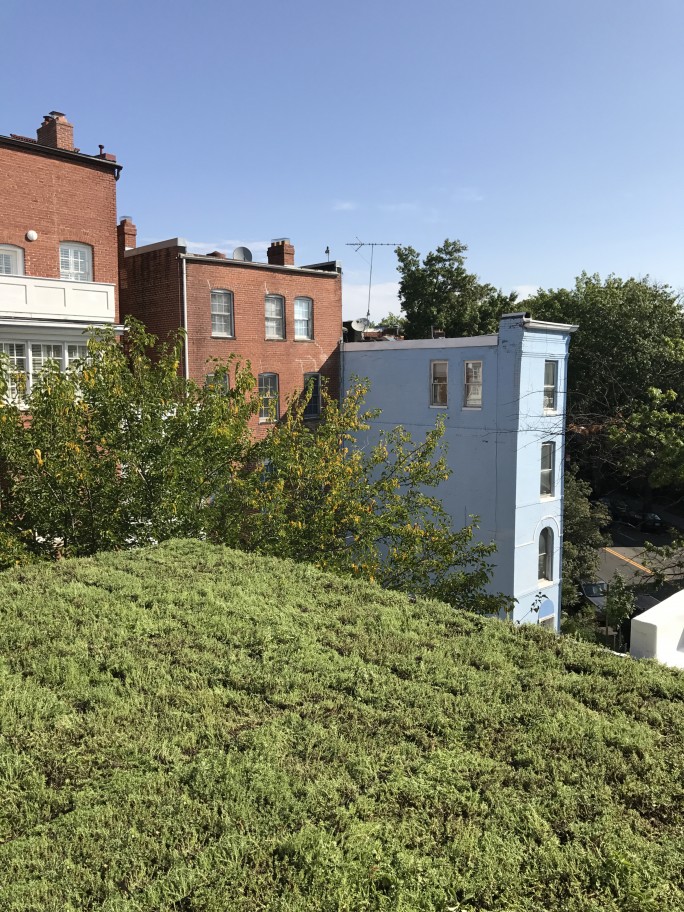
(359, 325)
(242, 253)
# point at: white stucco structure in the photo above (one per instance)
(659, 632)
(505, 438)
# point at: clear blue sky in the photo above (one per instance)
(546, 135)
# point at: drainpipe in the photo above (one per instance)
(184, 291)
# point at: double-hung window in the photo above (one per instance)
(312, 383)
(75, 262)
(15, 362)
(545, 563)
(303, 318)
(76, 353)
(11, 260)
(550, 386)
(269, 406)
(222, 322)
(275, 317)
(219, 381)
(547, 480)
(41, 353)
(438, 383)
(472, 388)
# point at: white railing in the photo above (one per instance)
(28, 296)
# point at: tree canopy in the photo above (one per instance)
(440, 293)
(123, 451)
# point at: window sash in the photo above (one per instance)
(16, 355)
(75, 263)
(439, 383)
(11, 260)
(41, 353)
(303, 310)
(222, 323)
(275, 317)
(546, 485)
(76, 353)
(545, 563)
(472, 393)
(268, 394)
(313, 406)
(550, 385)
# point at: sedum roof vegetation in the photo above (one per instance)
(191, 728)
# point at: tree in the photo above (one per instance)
(322, 498)
(630, 341)
(582, 536)
(440, 293)
(120, 452)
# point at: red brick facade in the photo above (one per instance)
(153, 293)
(60, 194)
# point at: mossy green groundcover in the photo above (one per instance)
(190, 728)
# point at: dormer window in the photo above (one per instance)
(11, 260)
(75, 262)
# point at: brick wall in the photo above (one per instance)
(153, 295)
(62, 200)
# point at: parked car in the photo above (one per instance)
(595, 592)
(619, 508)
(651, 522)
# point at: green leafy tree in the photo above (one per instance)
(630, 342)
(440, 293)
(120, 452)
(582, 536)
(323, 498)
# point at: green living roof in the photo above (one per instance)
(190, 728)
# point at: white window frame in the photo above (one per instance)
(42, 352)
(547, 474)
(222, 313)
(79, 259)
(75, 352)
(439, 386)
(550, 386)
(274, 324)
(268, 415)
(313, 406)
(12, 256)
(15, 352)
(305, 322)
(222, 384)
(545, 555)
(472, 386)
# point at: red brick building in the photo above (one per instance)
(285, 319)
(58, 245)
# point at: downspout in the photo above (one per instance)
(184, 292)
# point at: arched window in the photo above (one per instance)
(11, 260)
(545, 566)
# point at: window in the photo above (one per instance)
(220, 380)
(222, 313)
(76, 262)
(269, 408)
(545, 565)
(41, 354)
(11, 260)
(313, 406)
(550, 385)
(76, 353)
(438, 383)
(547, 483)
(548, 622)
(15, 358)
(472, 391)
(275, 317)
(303, 318)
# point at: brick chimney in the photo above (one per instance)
(127, 233)
(56, 132)
(281, 253)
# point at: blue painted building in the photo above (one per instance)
(503, 401)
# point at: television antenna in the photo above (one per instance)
(357, 245)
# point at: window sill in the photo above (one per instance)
(439, 406)
(472, 408)
(221, 336)
(544, 583)
(304, 339)
(275, 339)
